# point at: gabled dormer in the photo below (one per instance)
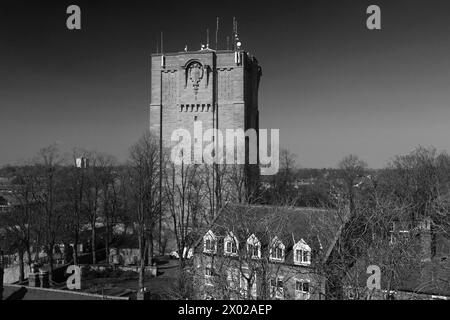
(277, 250)
(210, 243)
(254, 247)
(302, 253)
(230, 245)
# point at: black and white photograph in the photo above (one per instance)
(251, 152)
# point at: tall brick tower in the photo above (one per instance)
(218, 88)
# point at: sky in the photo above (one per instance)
(329, 84)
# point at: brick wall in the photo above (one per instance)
(231, 88)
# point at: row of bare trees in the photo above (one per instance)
(393, 218)
(54, 201)
(60, 202)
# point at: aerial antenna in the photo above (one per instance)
(236, 42)
(234, 32)
(217, 32)
(157, 46)
(163, 59)
(207, 38)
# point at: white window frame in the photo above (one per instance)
(211, 237)
(277, 244)
(254, 242)
(303, 247)
(301, 294)
(230, 238)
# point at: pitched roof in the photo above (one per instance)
(317, 227)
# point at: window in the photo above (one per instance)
(399, 232)
(302, 253)
(302, 256)
(253, 247)
(231, 247)
(277, 287)
(302, 289)
(231, 244)
(254, 250)
(209, 242)
(209, 276)
(277, 250)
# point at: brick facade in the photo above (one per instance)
(219, 88)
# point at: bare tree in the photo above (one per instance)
(144, 185)
(48, 167)
(100, 169)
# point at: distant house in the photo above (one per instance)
(7, 202)
(414, 263)
(264, 252)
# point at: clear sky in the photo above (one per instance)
(329, 84)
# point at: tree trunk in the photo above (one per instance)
(142, 262)
(21, 266)
(29, 256)
(160, 246)
(75, 250)
(94, 258)
(50, 260)
(150, 249)
(107, 241)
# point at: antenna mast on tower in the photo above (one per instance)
(217, 32)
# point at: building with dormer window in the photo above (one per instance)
(265, 252)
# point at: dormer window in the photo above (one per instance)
(302, 253)
(209, 242)
(277, 250)
(230, 244)
(253, 247)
